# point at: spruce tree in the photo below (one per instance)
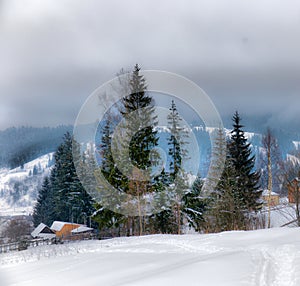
(244, 162)
(106, 219)
(178, 153)
(163, 221)
(218, 157)
(213, 181)
(194, 205)
(72, 202)
(44, 207)
(176, 141)
(228, 207)
(142, 104)
(238, 188)
(138, 109)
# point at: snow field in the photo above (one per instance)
(257, 258)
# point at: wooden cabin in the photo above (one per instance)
(82, 232)
(63, 230)
(43, 231)
(294, 191)
(273, 199)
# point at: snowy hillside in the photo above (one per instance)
(254, 258)
(293, 159)
(18, 187)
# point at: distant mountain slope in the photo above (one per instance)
(19, 183)
(23, 144)
(19, 186)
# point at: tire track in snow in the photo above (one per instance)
(163, 269)
(275, 266)
(285, 266)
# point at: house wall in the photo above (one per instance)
(291, 192)
(65, 232)
(274, 200)
(291, 197)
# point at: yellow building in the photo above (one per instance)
(63, 230)
(273, 199)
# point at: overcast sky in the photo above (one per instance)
(54, 53)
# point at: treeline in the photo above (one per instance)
(62, 196)
(234, 198)
(19, 145)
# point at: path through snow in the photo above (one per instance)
(256, 258)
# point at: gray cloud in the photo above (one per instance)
(244, 54)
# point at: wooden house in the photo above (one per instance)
(82, 232)
(273, 199)
(43, 231)
(63, 230)
(294, 191)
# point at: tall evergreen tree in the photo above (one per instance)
(72, 202)
(217, 163)
(244, 162)
(139, 111)
(178, 153)
(218, 183)
(238, 188)
(44, 207)
(163, 221)
(176, 141)
(107, 219)
(228, 207)
(145, 137)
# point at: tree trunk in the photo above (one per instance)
(178, 219)
(297, 199)
(269, 184)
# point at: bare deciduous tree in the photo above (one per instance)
(292, 176)
(271, 146)
(17, 229)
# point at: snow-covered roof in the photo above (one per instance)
(38, 231)
(266, 193)
(81, 229)
(58, 225)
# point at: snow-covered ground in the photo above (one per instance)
(282, 214)
(257, 258)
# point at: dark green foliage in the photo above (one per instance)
(137, 110)
(107, 220)
(73, 203)
(108, 166)
(177, 176)
(44, 207)
(164, 221)
(145, 137)
(243, 162)
(65, 196)
(176, 141)
(228, 204)
(194, 205)
(238, 193)
(139, 105)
